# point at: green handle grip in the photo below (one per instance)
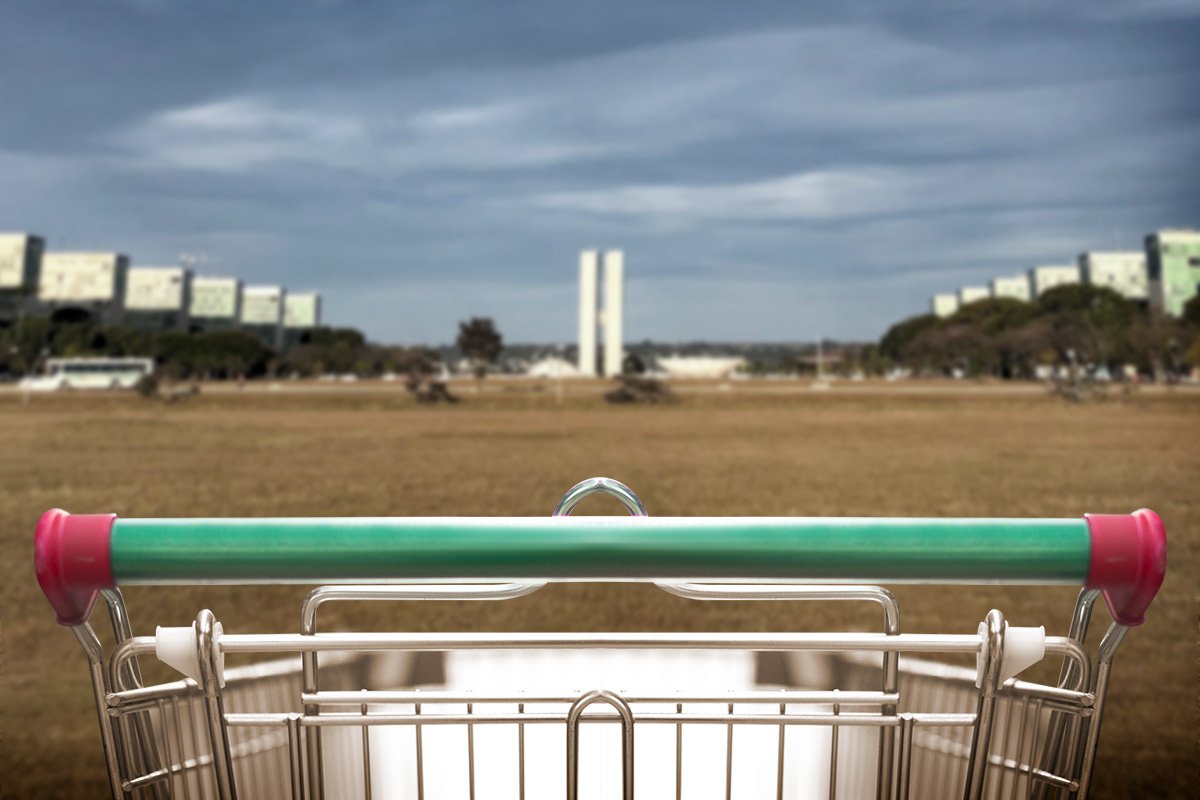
(619, 548)
(78, 555)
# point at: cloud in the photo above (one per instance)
(416, 164)
(239, 133)
(810, 195)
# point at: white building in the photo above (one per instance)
(84, 285)
(216, 303)
(1016, 287)
(943, 305)
(589, 298)
(1173, 261)
(971, 294)
(614, 312)
(552, 367)
(611, 318)
(158, 297)
(1123, 272)
(1047, 277)
(20, 266)
(262, 313)
(700, 366)
(301, 311)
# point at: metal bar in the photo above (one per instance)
(242, 720)
(833, 753)
(1087, 756)
(729, 757)
(383, 642)
(577, 493)
(366, 757)
(1004, 721)
(1053, 756)
(769, 591)
(989, 684)
(141, 751)
(326, 594)
(209, 657)
(638, 548)
(904, 774)
(419, 754)
(941, 745)
(108, 740)
(575, 716)
(168, 756)
(428, 697)
(139, 699)
(470, 755)
(966, 644)
(184, 778)
(1022, 727)
(521, 755)
(780, 757)
(295, 748)
(678, 753)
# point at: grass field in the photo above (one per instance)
(513, 451)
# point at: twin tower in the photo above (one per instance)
(591, 316)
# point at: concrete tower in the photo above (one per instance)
(614, 312)
(589, 279)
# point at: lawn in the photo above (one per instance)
(514, 449)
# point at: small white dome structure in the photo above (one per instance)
(553, 367)
(700, 366)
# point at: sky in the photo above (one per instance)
(773, 171)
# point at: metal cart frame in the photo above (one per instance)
(923, 728)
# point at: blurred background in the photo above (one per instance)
(331, 258)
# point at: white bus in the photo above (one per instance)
(89, 373)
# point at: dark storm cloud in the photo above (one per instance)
(773, 172)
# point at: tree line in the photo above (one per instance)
(220, 354)
(1077, 324)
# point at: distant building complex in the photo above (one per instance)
(611, 318)
(943, 305)
(102, 287)
(1016, 287)
(216, 303)
(20, 266)
(1044, 278)
(1173, 269)
(158, 298)
(1165, 275)
(301, 312)
(262, 313)
(79, 286)
(970, 294)
(1123, 272)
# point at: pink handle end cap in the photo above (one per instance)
(1128, 562)
(73, 560)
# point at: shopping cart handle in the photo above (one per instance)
(72, 554)
(1127, 562)
(1121, 555)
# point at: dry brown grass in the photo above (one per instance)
(513, 452)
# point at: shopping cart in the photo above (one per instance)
(482, 715)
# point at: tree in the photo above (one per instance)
(480, 342)
(897, 343)
(217, 354)
(1079, 324)
(633, 365)
(1191, 312)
